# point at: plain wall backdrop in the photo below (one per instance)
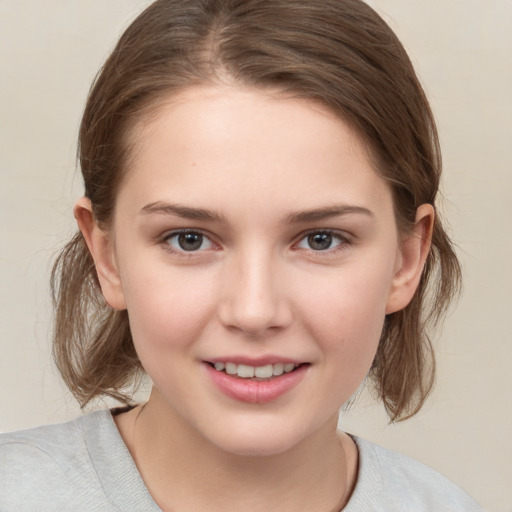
(50, 51)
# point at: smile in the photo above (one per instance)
(245, 371)
(255, 384)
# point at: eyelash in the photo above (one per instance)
(343, 244)
(343, 240)
(166, 241)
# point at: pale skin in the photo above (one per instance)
(257, 180)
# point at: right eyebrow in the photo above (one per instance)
(185, 212)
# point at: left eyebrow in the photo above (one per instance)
(327, 213)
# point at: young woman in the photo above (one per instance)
(259, 235)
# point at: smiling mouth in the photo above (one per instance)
(244, 371)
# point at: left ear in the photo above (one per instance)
(413, 253)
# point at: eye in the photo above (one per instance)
(321, 241)
(188, 241)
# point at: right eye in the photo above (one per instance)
(188, 241)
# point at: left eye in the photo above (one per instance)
(321, 241)
(188, 241)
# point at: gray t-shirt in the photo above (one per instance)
(84, 465)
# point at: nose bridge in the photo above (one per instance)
(253, 300)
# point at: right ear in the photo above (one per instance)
(102, 250)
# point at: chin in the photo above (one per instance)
(259, 445)
(257, 438)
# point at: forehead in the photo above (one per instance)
(249, 144)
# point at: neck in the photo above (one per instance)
(183, 471)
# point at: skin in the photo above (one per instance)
(270, 171)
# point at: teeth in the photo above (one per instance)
(245, 371)
(231, 368)
(264, 372)
(278, 369)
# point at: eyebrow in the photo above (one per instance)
(186, 212)
(327, 213)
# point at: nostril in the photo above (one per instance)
(252, 322)
(252, 300)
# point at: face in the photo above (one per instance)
(257, 253)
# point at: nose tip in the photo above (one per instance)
(255, 303)
(252, 320)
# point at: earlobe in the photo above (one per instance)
(413, 253)
(102, 251)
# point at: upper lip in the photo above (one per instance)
(254, 361)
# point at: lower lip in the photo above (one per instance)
(256, 391)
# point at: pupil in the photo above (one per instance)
(190, 241)
(320, 241)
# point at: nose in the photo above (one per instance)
(254, 299)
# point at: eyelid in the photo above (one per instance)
(164, 241)
(344, 238)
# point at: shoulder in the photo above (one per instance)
(63, 442)
(391, 481)
(53, 462)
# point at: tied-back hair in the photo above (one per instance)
(336, 52)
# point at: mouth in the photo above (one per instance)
(257, 383)
(255, 373)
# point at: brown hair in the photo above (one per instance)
(338, 52)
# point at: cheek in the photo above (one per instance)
(345, 314)
(167, 310)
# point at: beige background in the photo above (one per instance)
(49, 53)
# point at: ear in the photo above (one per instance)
(412, 255)
(102, 250)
